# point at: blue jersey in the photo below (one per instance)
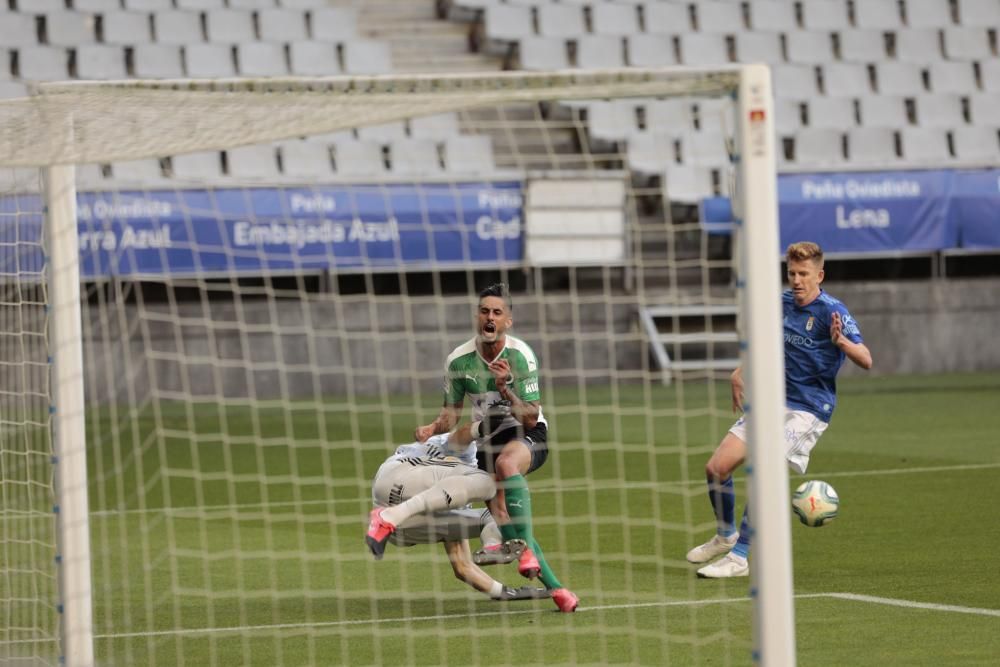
(811, 358)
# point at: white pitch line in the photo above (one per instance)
(911, 604)
(853, 597)
(547, 487)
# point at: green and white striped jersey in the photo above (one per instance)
(467, 373)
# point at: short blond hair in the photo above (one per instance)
(803, 250)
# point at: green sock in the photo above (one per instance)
(518, 501)
(508, 532)
(545, 573)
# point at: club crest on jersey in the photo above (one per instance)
(810, 322)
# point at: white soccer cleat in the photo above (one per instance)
(715, 547)
(730, 566)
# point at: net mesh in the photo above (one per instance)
(256, 346)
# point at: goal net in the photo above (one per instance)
(239, 301)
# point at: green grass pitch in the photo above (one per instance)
(241, 549)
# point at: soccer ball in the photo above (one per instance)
(815, 503)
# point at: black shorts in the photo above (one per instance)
(535, 439)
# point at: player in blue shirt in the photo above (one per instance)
(819, 334)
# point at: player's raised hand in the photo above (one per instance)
(501, 372)
(837, 330)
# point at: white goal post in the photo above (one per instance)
(63, 124)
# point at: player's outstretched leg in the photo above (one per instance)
(734, 564)
(378, 533)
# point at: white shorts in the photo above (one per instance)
(397, 481)
(802, 431)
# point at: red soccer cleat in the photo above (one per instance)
(378, 533)
(565, 600)
(528, 565)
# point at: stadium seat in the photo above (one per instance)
(251, 4)
(976, 144)
(436, 126)
(978, 13)
(43, 63)
(758, 47)
(673, 116)
(303, 4)
(611, 19)
(470, 154)
(383, 133)
(650, 50)
(599, 52)
(819, 147)
(716, 114)
(414, 157)
(951, 77)
(846, 80)
(861, 46)
(825, 15)
(207, 61)
(686, 184)
(157, 61)
(703, 49)
(281, 25)
(560, 21)
(18, 179)
(333, 24)
(100, 62)
(718, 16)
(306, 160)
(359, 158)
(989, 75)
(794, 81)
(197, 166)
(69, 28)
(893, 78)
(313, 59)
(200, 4)
(611, 121)
(772, 15)
(966, 43)
(924, 145)
(831, 112)
(877, 14)
(809, 47)
(927, 14)
(96, 5)
(366, 56)
(983, 108)
(871, 145)
(939, 110)
(229, 26)
(18, 30)
(261, 59)
(177, 27)
(148, 5)
(89, 176)
(704, 149)
(664, 18)
(920, 46)
(652, 152)
(147, 171)
(542, 53)
(253, 162)
(126, 28)
(507, 23)
(883, 111)
(41, 6)
(787, 115)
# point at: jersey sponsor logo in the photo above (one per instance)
(799, 341)
(531, 386)
(850, 325)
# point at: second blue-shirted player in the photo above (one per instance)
(819, 335)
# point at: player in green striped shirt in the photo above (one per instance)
(499, 374)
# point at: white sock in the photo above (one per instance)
(496, 590)
(397, 514)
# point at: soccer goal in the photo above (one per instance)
(225, 303)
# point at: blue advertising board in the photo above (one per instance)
(266, 230)
(884, 212)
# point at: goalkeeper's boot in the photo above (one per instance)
(500, 554)
(565, 600)
(378, 533)
(524, 593)
(528, 565)
(730, 566)
(715, 547)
